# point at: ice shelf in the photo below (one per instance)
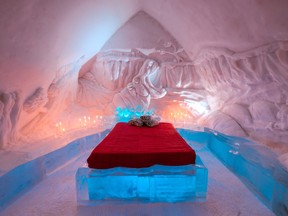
(153, 184)
(18, 180)
(256, 165)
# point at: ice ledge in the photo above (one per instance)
(25, 169)
(256, 165)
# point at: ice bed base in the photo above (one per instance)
(153, 184)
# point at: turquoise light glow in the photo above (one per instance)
(148, 184)
(126, 113)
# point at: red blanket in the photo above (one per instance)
(136, 147)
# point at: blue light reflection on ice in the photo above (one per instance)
(124, 114)
(169, 188)
(256, 165)
(152, 184)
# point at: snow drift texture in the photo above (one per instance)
(226, 64)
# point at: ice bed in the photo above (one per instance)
(142, 164)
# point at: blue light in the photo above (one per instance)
(148, 184)
(126, 113)
(256, 165)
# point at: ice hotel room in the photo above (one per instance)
(136, 107)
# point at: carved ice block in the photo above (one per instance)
(153, 184)
(256, 166)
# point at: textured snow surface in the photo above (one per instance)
(224, 63)
(232, 77)
(56, 195)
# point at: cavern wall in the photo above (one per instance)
(242, 94)
(227, 67)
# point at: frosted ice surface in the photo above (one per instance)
(256, 165)
(153, 184)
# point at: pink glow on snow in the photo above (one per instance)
(66, 65)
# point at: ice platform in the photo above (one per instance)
(153, 184)
(255, 164)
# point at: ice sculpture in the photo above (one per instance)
(108, 74)
(219, 89)
(49, 105)
(140, 91)
(224, 81)
(238, 93)
(9, 115)
(211, 67)
(121, 78)
(36, 101)
(282, 119)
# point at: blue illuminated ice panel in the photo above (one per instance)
(256, 165)
(153, 184)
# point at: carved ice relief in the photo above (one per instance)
(282, 119)
(240, 113)
(61, 93)
(36, 101)
(263, 111)
(9, 114)
(140, 91)
(231, 83)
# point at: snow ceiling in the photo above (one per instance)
(222, 63)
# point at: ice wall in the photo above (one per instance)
(243, 94)
(204, 69)
(39, 37)
(238, 93)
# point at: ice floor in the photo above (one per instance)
(56, 195)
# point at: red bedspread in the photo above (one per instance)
(136, 147)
